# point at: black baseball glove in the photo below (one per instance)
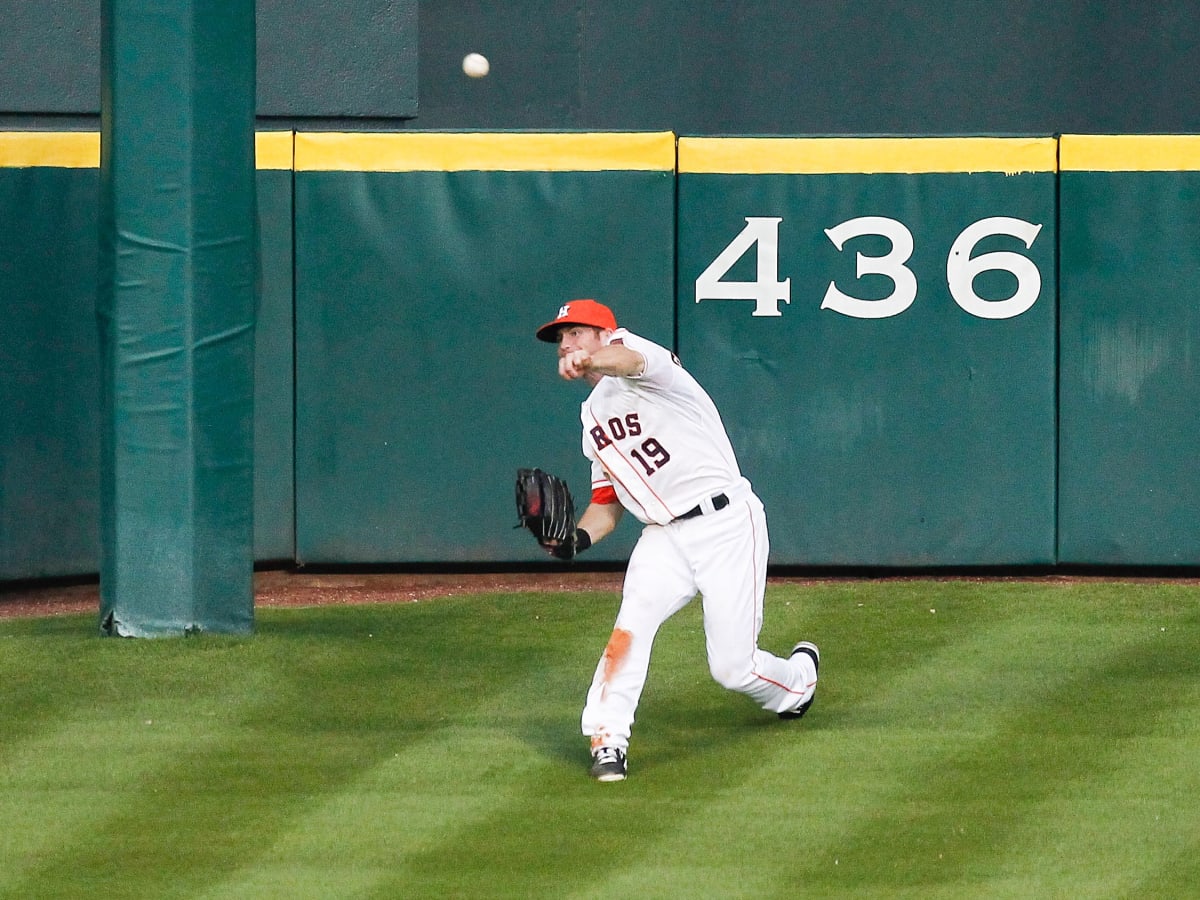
(545, 507)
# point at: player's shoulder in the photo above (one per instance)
(623, 337)
(645, 346)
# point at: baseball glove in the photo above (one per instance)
(545, 507)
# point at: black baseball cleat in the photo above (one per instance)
(608, 764)
(811, 649)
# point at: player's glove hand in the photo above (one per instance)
(545, 507)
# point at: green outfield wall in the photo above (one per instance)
(1129, 338)
(50, 355)
(876, 319)
(424, 263)
(927, 351)
(274, 337)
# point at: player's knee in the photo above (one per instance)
(732, 674)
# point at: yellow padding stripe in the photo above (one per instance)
(50, 149)
(274, 149)
(81, 149)
(1130, 152)
(484, 152)
(819, 156)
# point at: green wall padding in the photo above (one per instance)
(274, 387)
(49, 373)
(922, 438)
(176, 302)
(1130, 358)
(50, 358)
(420, 386)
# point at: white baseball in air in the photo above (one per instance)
(476, 65)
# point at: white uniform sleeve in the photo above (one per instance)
(661, 364)
(600, 479)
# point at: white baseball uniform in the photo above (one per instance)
(658, 442)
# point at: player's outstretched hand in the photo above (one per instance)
(574, 364)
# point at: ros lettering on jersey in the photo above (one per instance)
(619, 427)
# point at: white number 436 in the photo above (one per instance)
(762, 232)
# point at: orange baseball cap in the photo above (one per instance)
(578, 312)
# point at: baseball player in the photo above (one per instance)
(658, 449)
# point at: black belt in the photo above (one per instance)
(719, 502)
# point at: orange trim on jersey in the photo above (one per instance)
(604, 495)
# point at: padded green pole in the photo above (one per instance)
(176, 310)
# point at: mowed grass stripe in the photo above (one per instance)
(95, 741)
(1089, 656)
(502, 744)
(51, 801)
(1117, 811)
(952, 818)
(563, 832)
(828, 776)
(232, 779)
(550, 827)
(345, 692)
(760, 770)
(1022, 739)
(34, 655)
(417, 799)
(953, 764)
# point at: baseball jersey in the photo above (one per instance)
(656, 438)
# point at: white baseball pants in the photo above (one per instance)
(723, 556)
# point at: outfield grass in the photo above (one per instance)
(1009, 739)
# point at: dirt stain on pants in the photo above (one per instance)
(615, 653)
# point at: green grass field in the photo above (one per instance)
(1003, 739)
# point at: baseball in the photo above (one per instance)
(476, 65)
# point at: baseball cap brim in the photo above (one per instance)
(578, 312)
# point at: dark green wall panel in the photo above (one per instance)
(421, 388)
(767, 67)
(840, 67)
(924, 438)
(314, 58)
(49, 373)
(274, 495)
(1130, 368)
